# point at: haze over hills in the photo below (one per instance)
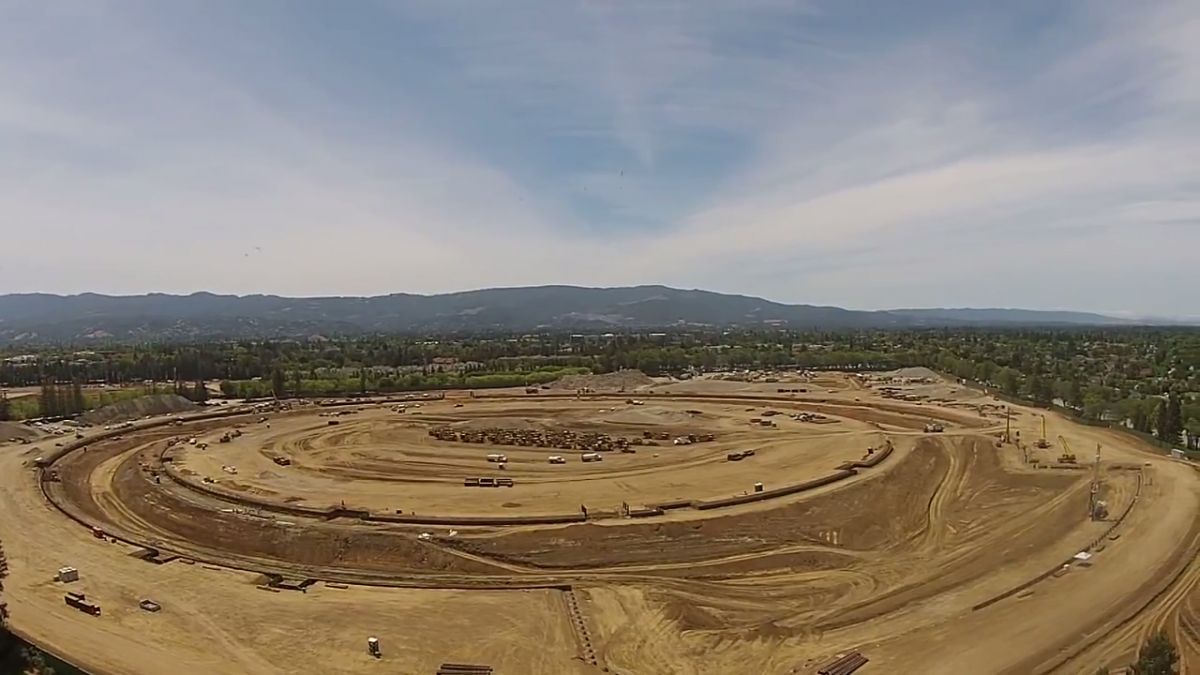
(33, 318)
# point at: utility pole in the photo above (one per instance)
(1095, 490)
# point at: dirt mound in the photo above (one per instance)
(11, 430)
(621, 379)
(134, 408)
(914, 373)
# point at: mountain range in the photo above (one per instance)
(89, 317)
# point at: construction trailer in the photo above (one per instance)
(68, 574)
(591, 457)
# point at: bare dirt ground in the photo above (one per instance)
(953, 554)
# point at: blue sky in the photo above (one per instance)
(865, 154)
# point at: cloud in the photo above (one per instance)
(1035, 156)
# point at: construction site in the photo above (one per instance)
(808, 523)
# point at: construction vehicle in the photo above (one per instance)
(591, 457)
(1042, 442)
(934, 428)
(500, 459)
(1097, 510)
(1067, 456)
(373, 647)
(557, 459)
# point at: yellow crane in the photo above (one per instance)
(1068, 455)
(1042, 442)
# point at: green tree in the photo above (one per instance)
(1007, 379)
(1157, 656)
(77, 400)
(1075, 392)
(1140, 416)
(1174, 418)
(1169, 419)
(35, 662)
(5, 407)
(277, 383)
(199, 392)
(50, 406)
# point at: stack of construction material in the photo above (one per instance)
(463, 669)
(844, 665)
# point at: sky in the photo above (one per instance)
(867, 154)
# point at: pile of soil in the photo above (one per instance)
(136, 408)
(11, 430)
(628, 380)
(912, 373)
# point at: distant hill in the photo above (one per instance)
(33, 318)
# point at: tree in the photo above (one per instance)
(5, 407)
(199, 392)
(277, 383)
(1170, 422)
(1075, 393)
(1157, 656)
(35, 662)
(1174, 418)
(1140, 417)
(1007, 379)
(77, 400)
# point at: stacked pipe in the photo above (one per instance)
(845, 665)
(463, 669)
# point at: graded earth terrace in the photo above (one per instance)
(703, 526)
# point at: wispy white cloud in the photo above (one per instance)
(1046, 160)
